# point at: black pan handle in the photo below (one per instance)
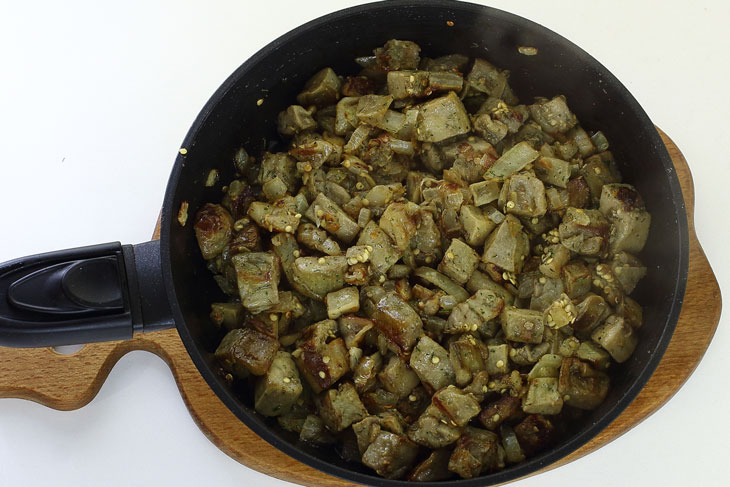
(89, 294)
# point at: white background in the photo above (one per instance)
(95, 98)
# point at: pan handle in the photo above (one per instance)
(88, 294)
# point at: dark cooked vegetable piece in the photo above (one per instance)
(452, 259)
(245, 349)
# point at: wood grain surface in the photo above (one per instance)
(70, 381)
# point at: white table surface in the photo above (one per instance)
(95, 98)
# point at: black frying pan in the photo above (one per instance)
(107, 292)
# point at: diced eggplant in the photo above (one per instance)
(258, 279)
(341, 407)
(316, 239)
(479, 281)
(327, 214)
(561, 312)
(323, 366)
(593, 354)
(630, 311)
(390, 455)
(278, 390)
(590, 313)
(486, 78)
(581, 386)
(484, 192)
(314, 431)
(599, 169)
(554, 116)
(364, 376)
(321, 89)
(280, 216)
(393, 317)
(576, 279)
(433, 468)
(213, 229)
(431, 362)
(346, 300)
(371, 108)
(397, 55)
(462, 319)
(295, 119)
(498, 359)
(383, 254)
(617, 337)
(543, 397)
(486, 303)
(398, 378)
(553, 261)
(585, 232)
(316, 277)
(522, 325)
(545, 292)
(548, 366)
(477, 451)
(512, 451)
(507, 246)
(512, 161)
(442, 118)
(506, 408)
(523, 195)
(536, 433)
(400, 221)
(245, 349)
(439, 280)
(557, 199)
(346, 120)
(553, 171)
(456, 407)
(628, 270)
(280, 165)
(459, 261)
(579, 194)
(466, 358)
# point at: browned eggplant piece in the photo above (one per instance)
(433, 468)
(390, 455)
(581, 386)
(476, 452)
(213, 229)
(245, 349)
(393, 317)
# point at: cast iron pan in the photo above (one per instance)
(107, 292)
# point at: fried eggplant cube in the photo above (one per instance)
(431, 362)
(543, 397)
(257, 274)
(245, 350)
(393, 317)
(507, 246)
(617, 337)
(398, 378)
(213, 229)
(324, 366)
(278, 390)
(459, 261)
(477, 451)
(442, 118)
(580, 385)
(341, 407)
(522, 325)
(390, 455)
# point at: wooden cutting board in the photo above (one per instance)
(69, 382)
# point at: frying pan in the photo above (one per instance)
(110, 291)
